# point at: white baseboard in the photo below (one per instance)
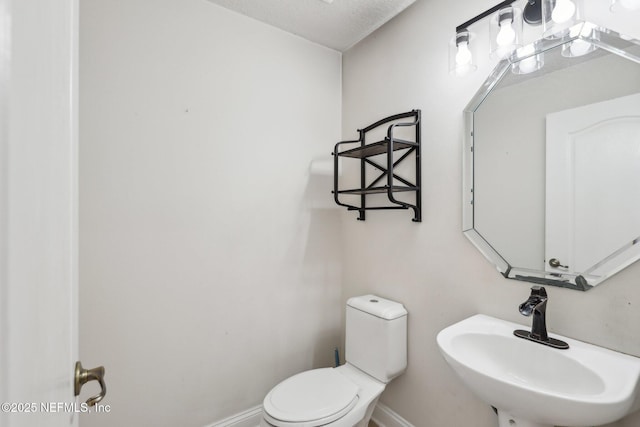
(384, 416)
(249, 418)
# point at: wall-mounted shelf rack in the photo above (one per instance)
(384, 147)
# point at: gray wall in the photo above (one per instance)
(430, 266)
(206, 275)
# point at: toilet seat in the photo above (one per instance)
(311, 398)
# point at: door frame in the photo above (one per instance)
(38, 207)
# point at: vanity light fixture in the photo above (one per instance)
(559, 18)
(460, 55)
(619, 5)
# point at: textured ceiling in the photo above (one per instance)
(338, 24)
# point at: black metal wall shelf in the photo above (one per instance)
(386, 146)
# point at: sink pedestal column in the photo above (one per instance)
(507, 420)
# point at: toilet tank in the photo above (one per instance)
(376, 336)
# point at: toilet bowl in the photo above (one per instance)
(342, 397)
(346, 396)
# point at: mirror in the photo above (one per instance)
(552, 160)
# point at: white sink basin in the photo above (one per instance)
(534, 385)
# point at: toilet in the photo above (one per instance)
(376, 353)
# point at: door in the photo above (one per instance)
(38, 212)
(592, 226)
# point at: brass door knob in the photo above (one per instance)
(83, 376)
(555, 263)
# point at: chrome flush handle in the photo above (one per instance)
(83, 376)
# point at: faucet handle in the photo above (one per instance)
(539, 291)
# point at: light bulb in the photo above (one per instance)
(507, 35)
(529, 64)
(563, 11)
(463, 57)
(526, 50)
(579, 47)
(587, 29)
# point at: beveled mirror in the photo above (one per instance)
(552, 160)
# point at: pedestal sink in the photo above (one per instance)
(533, 385)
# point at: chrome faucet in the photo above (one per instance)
(536, 304)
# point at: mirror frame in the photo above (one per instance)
(602, 38)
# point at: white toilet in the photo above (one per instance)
(376, 353)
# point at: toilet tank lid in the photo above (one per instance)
(377, 306)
